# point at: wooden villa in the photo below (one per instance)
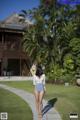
(13, 60)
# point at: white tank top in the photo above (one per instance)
(40, 79)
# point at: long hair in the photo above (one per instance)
(39, 71)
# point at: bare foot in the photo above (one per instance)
(40, 116)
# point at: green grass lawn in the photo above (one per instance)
(68, 98)
(16, 108)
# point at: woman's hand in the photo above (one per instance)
(33, 69)
(44, 88)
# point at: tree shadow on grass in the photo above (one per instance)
(49, 105)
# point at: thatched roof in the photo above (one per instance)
(15, 22)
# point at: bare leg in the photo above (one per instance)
(37, 100)
(41, 94)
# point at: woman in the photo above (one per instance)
(39, 83)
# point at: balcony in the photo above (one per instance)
(9, 47)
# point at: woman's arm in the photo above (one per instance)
(34, 80)
(44, 81)
(43, 77)
(33, 70)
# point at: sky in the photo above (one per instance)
(72, 2)
(8, 7)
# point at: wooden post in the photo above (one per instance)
(2, 54)
(20, 65)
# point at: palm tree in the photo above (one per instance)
(43, 38)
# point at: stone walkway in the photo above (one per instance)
(52, 114)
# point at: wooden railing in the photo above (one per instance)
(9, 47)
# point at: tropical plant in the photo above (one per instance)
(51, 38)
(75, 49)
